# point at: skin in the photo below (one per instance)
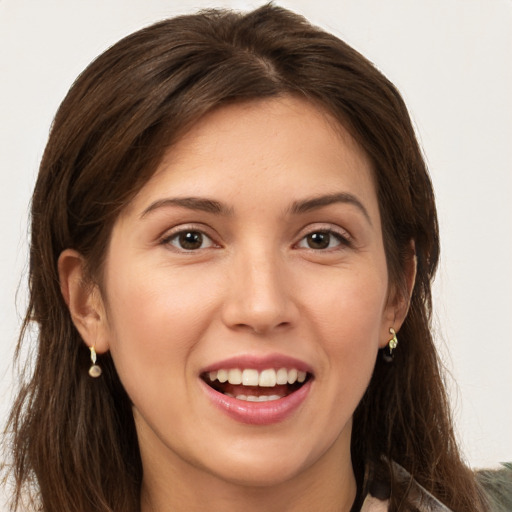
(256, 286)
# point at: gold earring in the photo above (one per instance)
(387, 353)
(94, 370)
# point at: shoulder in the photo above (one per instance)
(372, 504)
(418, 497)
(497, 485)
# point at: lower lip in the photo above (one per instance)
(258, 413)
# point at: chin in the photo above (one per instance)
(260, 474)
(265, 464)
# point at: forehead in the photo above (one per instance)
(285, 141)
(263, 124)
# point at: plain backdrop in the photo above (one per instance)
(452, 61)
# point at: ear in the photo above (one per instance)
(398, 303)
(84, 300)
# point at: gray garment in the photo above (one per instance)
(496, 484)
(419, 497)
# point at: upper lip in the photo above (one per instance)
(259, 362)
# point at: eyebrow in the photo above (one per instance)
(218, 208)
(191, 203)
(314, 203)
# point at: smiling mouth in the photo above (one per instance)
(256, 386)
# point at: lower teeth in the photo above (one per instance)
(252, 398)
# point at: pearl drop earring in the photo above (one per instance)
(94, 370)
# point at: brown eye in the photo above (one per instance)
(320, 240)
(190, 240)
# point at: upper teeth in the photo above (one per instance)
(266, 378)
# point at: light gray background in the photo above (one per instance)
(452, 60)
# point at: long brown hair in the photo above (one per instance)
(73, 439)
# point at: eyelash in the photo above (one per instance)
(343, 239)
(168, 239)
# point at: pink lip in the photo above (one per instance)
(258, 413)
(259, 363)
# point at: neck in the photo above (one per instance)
(325, 496)
(328, 486)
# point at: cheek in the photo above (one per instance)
(349, 308)
(346, 315)
(155, 319)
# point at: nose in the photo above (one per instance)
(260, 294)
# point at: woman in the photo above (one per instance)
(232, 228)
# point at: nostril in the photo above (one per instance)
(265, 328)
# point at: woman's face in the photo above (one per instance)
(254, 254)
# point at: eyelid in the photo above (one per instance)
(342, 234)
(171, 233)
